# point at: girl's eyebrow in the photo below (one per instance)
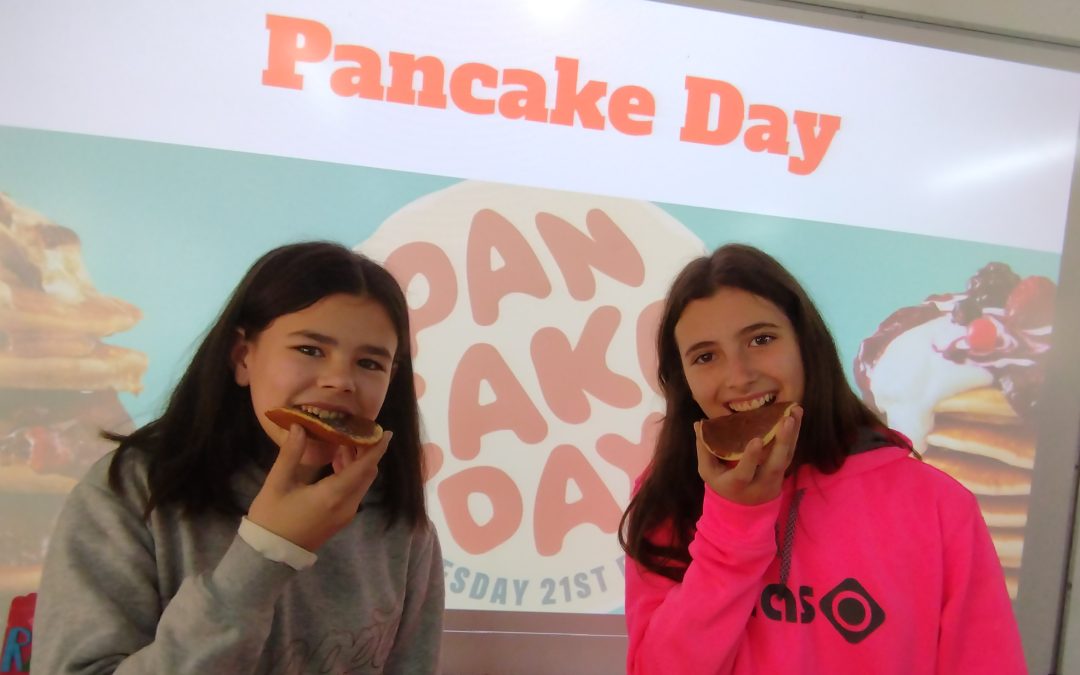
(315, 337)
(698, 345)
(376, 350)
(322, 339)
(754, 327)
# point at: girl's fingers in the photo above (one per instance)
(744, 471)
(342, 458)
(786, 439)
(283, 471)
(360, 470)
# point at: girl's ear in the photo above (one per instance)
(238, 359)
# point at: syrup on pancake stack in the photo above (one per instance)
(960, 375)
(58, 382)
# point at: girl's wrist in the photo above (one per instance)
(275, 547)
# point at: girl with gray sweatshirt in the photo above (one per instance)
(213, 540)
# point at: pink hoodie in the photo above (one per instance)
(883, 567)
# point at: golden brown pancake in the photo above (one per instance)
(1009, 543)
(58, 382)
(726, 437)
(1012, 581)
(1012, 445)
(980, 475)
(108, 367)
(19, 579)
(44, 285)
(21, 479)
(34, 310)
(1004, 511)
(985, 404)
(25, 532)
(350, 431)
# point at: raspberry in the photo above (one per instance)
(1031, 303)
(982, 335)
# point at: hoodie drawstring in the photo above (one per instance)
(789, 535)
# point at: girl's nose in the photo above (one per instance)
(740, 372)
(338, 374)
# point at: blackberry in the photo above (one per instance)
(990, 287)
(966, 311)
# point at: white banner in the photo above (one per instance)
(633, 99)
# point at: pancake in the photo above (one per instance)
(24, 538)
(1012, 581)
(58, 382)
(21, 479)
(980, 475)
(35, 310)
(19, 579)
(1013, 446)
(984, 404)
(1009, 543)
(726, 437)
(1004, 511)
(108, 367)
(356, 431)
(44, 285)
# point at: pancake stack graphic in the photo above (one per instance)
(58, 381)
(960, 375)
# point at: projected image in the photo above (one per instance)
(533, 313)
(58, 381)
(960, 374)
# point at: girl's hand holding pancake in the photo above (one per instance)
(758, 475)
(309, 514)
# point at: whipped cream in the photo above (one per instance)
(63, 276)
(911, 377)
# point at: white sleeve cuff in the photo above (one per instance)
(275, 547)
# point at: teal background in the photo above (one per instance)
(171, 229)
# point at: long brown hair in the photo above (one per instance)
(671, 491)
(209, 430)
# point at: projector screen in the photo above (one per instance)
(534, 174)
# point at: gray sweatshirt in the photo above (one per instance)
(176, 594)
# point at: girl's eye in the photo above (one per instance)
(705, 357)
(370, 364)
(762, 340)
(309, 350)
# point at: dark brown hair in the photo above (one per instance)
(671, 491)
(209, 430)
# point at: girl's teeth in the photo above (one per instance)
(754, 404)
(323, 414)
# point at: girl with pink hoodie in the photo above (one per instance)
(832, 550)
